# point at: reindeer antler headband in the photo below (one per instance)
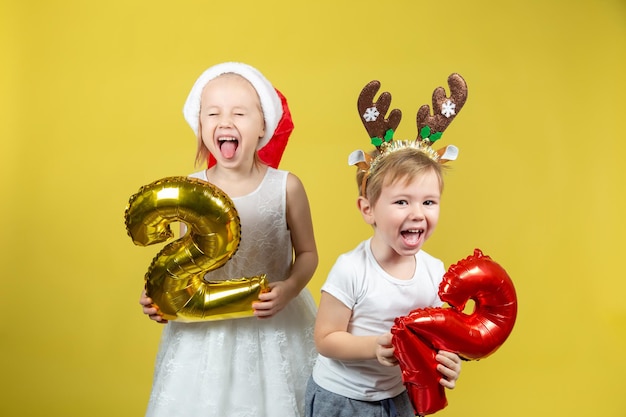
(429, 127)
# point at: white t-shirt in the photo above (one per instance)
(376, 299)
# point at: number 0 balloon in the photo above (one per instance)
(175, 278)
(419, 335)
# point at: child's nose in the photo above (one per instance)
(225, 121)
(417, 211)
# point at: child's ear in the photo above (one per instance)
(262, 129)
(366, 210)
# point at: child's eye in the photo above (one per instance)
(402, 202)
(429, 202)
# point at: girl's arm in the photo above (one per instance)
(333, 340)
(305, 253)
(302, 237)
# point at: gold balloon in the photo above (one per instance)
(174, 279)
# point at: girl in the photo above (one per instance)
(254, 366)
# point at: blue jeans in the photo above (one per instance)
(322, 403)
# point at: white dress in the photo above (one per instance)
(245, 367)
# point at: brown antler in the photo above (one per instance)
(373, 113)
(445, 109)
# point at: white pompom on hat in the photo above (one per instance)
(270, 101)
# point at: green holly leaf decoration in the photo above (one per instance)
(425, 132)
(376, 141)
(389, 135)
(435, 137)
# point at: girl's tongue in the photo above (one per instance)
(228, 148)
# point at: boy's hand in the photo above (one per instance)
(149, 309)
(384, 350)
(450, 368)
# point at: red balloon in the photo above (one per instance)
(419, 335)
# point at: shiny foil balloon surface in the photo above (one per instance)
(419, 335)
(174, 279)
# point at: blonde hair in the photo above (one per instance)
(404, 164)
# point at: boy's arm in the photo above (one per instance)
(333, 341)
(331, 333)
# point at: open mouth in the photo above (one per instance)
(412, 236)
(228, 146)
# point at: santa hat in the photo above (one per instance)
(278, 123)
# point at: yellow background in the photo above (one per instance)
(91, 99)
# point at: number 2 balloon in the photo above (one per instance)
(175, 278)
(419, 335)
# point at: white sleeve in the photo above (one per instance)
(341, 281)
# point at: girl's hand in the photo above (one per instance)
(149, 309)
(450, 368)
(384, 350)
(273, 301)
